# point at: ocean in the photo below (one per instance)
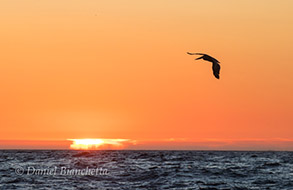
(129, 169)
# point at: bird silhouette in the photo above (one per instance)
(216, 66)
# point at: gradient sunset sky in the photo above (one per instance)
(118, 69)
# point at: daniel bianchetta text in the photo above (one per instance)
(66, 171)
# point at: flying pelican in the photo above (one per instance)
(216, 66)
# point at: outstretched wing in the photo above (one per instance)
(207, 57)
(216, 70)
(195, 53)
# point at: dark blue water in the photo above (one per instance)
(100, 170)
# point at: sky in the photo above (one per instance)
(114, 69)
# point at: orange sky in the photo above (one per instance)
(73, 69)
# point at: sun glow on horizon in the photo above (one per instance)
(97, 144)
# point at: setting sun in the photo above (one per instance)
(97, 144)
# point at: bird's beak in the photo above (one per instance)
(197, 58)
